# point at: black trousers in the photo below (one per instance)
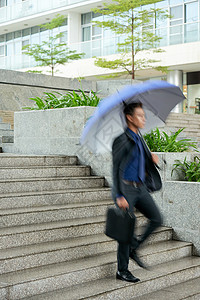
(141, 199)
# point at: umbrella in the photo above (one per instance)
(108, 121)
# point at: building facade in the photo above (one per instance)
(19, 26)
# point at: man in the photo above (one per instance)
(134, 174)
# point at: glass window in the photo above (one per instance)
(191, 12)
(86, 34)
(35, 39)
(2, 50)
(176, 39)
(42, 29)
(2, 38)
(175, 2)
(176, 12)
(9, 48)
(44, 36)
(55, 31)
(162, 4)
(26, 32)
(2, 3)
(86, 18)
(17, 47)
(177, 15)
(160, 21)
(96, 30)
(9, 36)
(65, 22)
(17, 34)
(191, 32)
(64, 38)
(35, 29)
(25, 42)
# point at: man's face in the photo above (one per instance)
(137, 119)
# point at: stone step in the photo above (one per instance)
(49, 184)
(16, 160)
(45, 198)
(189, 290)
(183, 123)
(78, 248)
(185, 131)
(54, 231)
(94, 278)
(4, 125)
(43, 171)
(53, 213)
(183, 116)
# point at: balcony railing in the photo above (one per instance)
(31, 7)
(178, 34)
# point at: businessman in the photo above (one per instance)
(134, 176)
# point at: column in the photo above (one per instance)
(176, 77)
(74, 28)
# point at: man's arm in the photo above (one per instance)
(118, 153)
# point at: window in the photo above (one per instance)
(26, 32)
(2, 50)
(191, 12)
(25, 42)
(65, 22)
(86, 33)
(191, 24)
(90, 31)
(177, 15)
(2, 38)
(64, 38)
(176, 25)
(35, 29)
(86, 18)
(2, 3)
(17, 47)
(9, 36)
(17, 34)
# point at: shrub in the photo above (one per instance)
(162, 142)
(189, 170)
(70, 99)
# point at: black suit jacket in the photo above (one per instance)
(122, 149)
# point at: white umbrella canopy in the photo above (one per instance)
(108, 121)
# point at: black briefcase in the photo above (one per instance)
(119, 225)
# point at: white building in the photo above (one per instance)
(19, 20)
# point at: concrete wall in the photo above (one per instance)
(17, 87)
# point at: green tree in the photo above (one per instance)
(133, 23)
(52, 52)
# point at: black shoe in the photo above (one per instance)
(133, 255)
(126, 276)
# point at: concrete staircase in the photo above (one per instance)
(191, 122)
(52, 244)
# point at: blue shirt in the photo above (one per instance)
(135, 169)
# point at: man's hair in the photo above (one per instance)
(129, 108)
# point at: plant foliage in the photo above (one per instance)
(132, 23)
(158, 141)
(189, 170)
(70, 99)
(52, 52)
